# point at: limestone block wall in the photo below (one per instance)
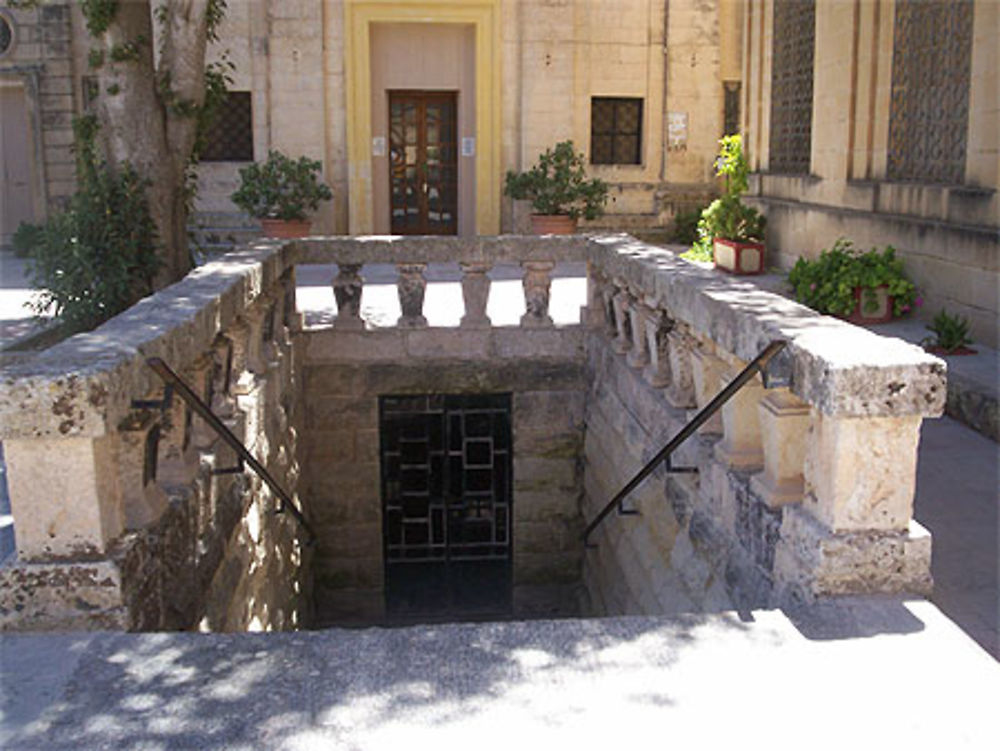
(129, 511)
(801, 487)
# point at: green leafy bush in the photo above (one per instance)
(98, 257)
(827, 283)
(558, 184)
(281, 188)
(950, 332)
(686, 226)
(727, 216)
(26, 236)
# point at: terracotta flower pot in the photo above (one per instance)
(738, 257)
(875, 307)
(285, 228)
(552, 224)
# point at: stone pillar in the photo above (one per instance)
(411, 286)
(64, 495)
(475, 293)
(347, 289)
(595, 314)
(784, 423)
(537, 282)
(637, 356)
(623, 334)
(860, 472)
(656, 325)
(707, 371)
(680, 391)
(740, 447)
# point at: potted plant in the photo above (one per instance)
(731, 233)
(559, 191)
(868, 287)
(951, 335)
(280, 192)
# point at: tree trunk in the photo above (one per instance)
(148, 113)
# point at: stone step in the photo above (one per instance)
(223, 219)
(648, 682)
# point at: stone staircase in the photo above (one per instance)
(639, 682)
(214, 232)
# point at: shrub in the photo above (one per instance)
(26, 236)
(686, 226)
(558, 184)
(281, 188)
(98, 257)
(727, 216)
(827, 283)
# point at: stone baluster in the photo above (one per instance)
(707, 371)
(623, 322)
(638, 313)
(537, 282)
(347, 289)
(241, 378)
(680, 390)
(138, 469)
(290, 317)
(784, 424)
(595, 314)
(475, 293)
(656, 326)
(410, 287)
(740, 447)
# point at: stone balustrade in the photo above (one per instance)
(810, 473)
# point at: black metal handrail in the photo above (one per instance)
(205, 413)
(757, 366)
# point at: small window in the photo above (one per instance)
(615, 130)
(230, 139)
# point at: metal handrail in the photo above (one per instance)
(205, 413)
(756, 366)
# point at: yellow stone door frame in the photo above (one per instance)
(484, 17)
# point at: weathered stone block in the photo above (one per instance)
(784, 422)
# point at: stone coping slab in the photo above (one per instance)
(860, 672)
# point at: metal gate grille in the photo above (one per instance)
(446, 472)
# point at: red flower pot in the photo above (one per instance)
(738, 257)
(871, 305)
(552, 224)
(285, 228)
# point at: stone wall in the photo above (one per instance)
(128, 513)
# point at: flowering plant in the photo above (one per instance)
(827, 283)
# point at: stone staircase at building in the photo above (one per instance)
(212, 233)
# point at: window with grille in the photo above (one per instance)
(230, 138)
(792, 86)
(929, 105)
(615, 130)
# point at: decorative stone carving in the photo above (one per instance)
(411, 286)
(537, 281)
(347, 289)
(475, 293)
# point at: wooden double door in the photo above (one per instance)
(423, 162)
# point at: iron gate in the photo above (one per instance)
(446, 502)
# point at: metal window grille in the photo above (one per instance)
(230, 138)
(792, 85)
(929, 105)
(615, 130)
(731, 108)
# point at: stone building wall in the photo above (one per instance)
(945, 230)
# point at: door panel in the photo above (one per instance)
(423, 164)
(16, 204)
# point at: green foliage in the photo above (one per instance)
(950, 332)
(558, 184)
(95, 58)
(127, 51)
(26, 237)
(686, 226)
(827, 283)
(727, 216)
(215, 12)
(99, 14)
(281, 188)
(98, 257)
